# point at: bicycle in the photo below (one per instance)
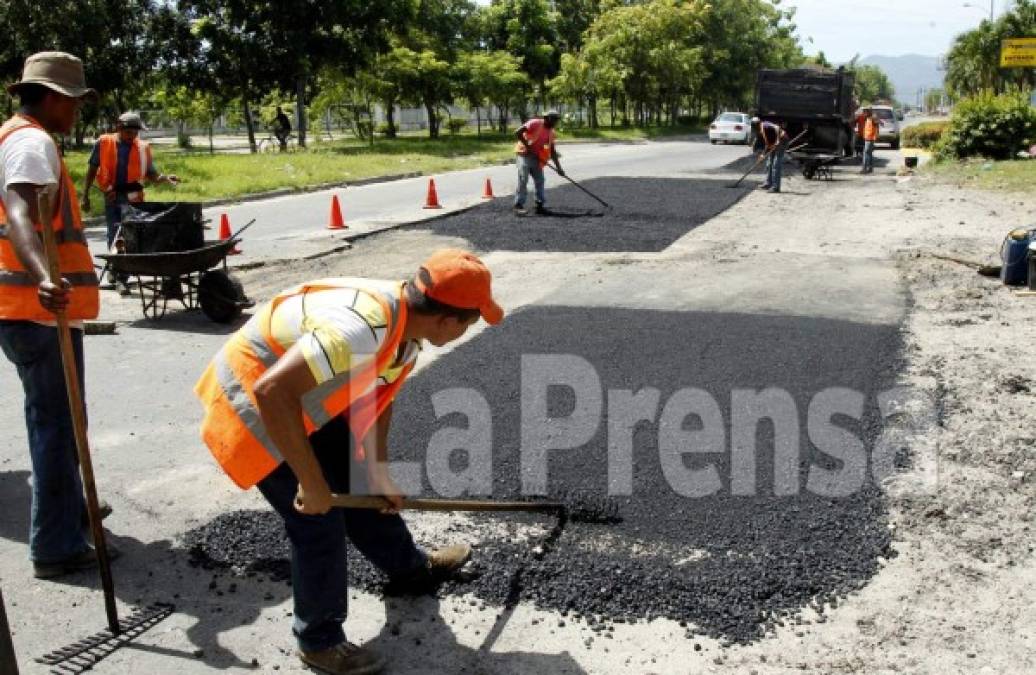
(271, 144)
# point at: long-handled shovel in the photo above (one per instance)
(591, 194)
(581, 510)
(763, 157)
(83, 654)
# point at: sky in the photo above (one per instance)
(844, 28)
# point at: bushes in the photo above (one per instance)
(456, 124)
(925, 135)
(990, 126)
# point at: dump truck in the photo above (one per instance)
(817, 108)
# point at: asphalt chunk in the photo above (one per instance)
(646, 215)
(729, 566)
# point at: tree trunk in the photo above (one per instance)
(433, 119)
(327, 125)
(390, 119)
(478, 121)
(300, 107)
(212, 149)
(249, 125)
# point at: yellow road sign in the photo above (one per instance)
(1018, 53)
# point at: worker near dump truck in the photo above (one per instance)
(871, 127)
(121, 163)
(298, 403)
(50, 94)
(535, 147)
(774, 139)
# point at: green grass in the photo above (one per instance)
(227, 175)
(1009, 176)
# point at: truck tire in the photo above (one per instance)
(895, 144)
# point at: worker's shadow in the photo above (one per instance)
(417, 640)
(150, 572)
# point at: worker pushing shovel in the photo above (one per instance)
(535, 147)
(314, 369)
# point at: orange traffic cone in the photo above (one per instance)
(337, 222)
(487, 192)
(224, 233)
(432, 200)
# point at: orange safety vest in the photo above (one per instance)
(18, 289)
(870, 130)
(139, 161)
(233, 429)
(544, 152)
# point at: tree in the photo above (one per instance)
(527, 29)
(872, 85)
(649, 53)
(742, 37)
(116, 39)
(495, 78)
(257, 44)
(973, 63)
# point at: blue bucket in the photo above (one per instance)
(1014, 254)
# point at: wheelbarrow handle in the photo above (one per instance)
(237, 235)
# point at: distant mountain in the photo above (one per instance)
(908, 73)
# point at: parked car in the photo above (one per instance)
(731, 127)
(889, 121)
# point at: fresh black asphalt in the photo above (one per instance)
(727, 566)
(646, 215)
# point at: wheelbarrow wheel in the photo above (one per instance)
(220, 296)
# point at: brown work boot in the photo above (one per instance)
(442, 562)
(344, 659)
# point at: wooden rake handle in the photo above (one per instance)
(376, 502)
(75, 404)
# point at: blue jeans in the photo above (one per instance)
(58, 506)
(113, 217)
(868, 156)
(318, 550)
(774, 168)
(529, 166)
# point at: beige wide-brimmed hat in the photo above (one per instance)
(55, 70)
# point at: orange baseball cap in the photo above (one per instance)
(459, 279)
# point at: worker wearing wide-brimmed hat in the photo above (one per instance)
(534, 149)
(121, 163)
(50, 93)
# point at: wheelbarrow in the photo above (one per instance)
(185, 276)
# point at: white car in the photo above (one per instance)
(731, 127)
(888, 131)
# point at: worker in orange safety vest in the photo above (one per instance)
(871, 127)
(50, 95)
(121, 163)
(535, 147)
(298, 403)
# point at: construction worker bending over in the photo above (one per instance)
(121, 163)
(774, 139)
(314, 369)
(50, 93)
(534, 149)
(870, 137)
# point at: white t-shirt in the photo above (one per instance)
(30, 156)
